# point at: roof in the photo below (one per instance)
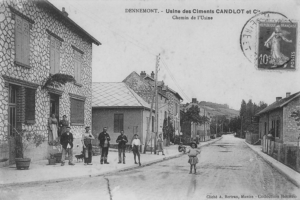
(279, 104)
(46, 3)
(174, 92)
(116, 95)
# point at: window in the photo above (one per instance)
(118, 122)
(22, 41)
(166, 115)
(29, 106)
(77, 111)
(277, 134)
(54, 55)
(77, 66)
(175, 109)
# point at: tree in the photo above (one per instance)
(168, 130)
(192, 115)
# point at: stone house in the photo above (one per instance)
(118, 107)
(38, 40)
(276, 119)
(143, 85)
(199, 131)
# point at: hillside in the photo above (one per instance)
(219, 109)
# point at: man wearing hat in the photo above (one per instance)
(66, 140)
(122, 140)
(104, 145)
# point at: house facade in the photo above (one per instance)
(118, 107)
(276, 120)
(38, 40)
(143, 85)
(195, 130)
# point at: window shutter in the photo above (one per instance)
(77, 66)
(116, 123)
(52, 55)
(77, 111)
(121, 120)
(30, 106)
(18, 38)
(79, 72)
(57, 56)
(26, 39)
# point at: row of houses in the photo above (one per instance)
(38, 41)
(126, 106)
(279, 130)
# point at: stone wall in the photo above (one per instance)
(171, 106)
(291, 130)
(39, 70)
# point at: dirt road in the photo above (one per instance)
(228, 169)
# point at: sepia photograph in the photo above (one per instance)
(149, 99)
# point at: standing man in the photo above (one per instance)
(104, 145)
(122, 140)
(66, 140)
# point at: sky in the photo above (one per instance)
(198, 58)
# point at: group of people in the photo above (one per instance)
(57, 128)
(66, 140)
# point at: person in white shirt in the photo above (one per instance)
(136, 143)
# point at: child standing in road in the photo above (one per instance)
(192, 153)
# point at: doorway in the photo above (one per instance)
(54, 105)
(12, 121)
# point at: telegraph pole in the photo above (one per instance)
(156, 104)
(151, 110)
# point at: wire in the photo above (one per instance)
(172, 77)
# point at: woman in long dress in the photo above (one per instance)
(87, 138)
(53, 127)
(277, 58)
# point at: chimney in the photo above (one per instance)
(143, 74)
(152, 74)
(194, 100)
(288, 94)
(278, 98)
(64, 12)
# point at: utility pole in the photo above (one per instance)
(241, 126)
(151, 110)
(156, 104)
(204, 126)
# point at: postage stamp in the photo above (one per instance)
(269, 41)
(277, 45)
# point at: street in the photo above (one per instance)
(227, 169)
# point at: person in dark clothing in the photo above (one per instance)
(104, 145)
(66, 140)
(87, 138)
(122, 140)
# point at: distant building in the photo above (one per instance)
(276, 119)
(118, 107)
(196, 130)
(168, 99)
(36, 40)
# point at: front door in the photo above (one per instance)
(12, 122)
(54, 105)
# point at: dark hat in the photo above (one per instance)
(194, 144)
(68, 127)
(87, 127)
